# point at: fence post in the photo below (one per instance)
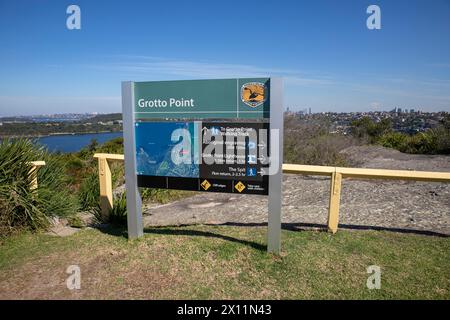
(335, 199)
(106, 196)
(33, 173)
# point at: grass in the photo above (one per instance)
(218, 262)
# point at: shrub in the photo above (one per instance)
(89, 192)
(111, 146)
(118, 214)
(395, 140)
(367, 129)
(311, 143)
(433, 141)
(20, 205)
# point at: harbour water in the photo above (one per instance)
(74, 142)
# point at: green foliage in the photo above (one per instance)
(394, 140)
(75, 222)
(111, 146)
(433, 141)
(89, 191)
(311, 143)
(118, 214)
(20, 205)
(367, 129)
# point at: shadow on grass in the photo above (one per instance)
(207, 234)
(308, 226)
(120, 231)
(178, 231)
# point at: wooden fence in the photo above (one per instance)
(335, 173)
(35, 165)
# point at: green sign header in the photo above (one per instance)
(247, 98)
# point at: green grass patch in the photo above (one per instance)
(218, 262)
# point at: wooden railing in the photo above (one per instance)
(35, 165)
(104, 176)
(335, 173)
(338, 173)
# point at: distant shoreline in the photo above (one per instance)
(58, 134)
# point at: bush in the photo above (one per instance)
(394, 140)
(369, 130)
(111, 146)
(89, 192)
(118, 214)
(433, 141)
(311, 143)
(20, 205)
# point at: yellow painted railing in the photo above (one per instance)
(335, 173)
(338, 173)
(104, 175)
(35, 165)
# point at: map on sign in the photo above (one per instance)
(203, 135)
(155, 147)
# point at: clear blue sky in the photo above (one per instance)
(323, 49)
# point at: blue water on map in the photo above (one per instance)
(156, 149)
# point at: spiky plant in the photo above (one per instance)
(22, 206)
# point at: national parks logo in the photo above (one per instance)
(253, 94)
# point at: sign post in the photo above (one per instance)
(276, 180)
(134, 203)
(223, 135)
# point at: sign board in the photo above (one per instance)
(226, 171)
(201, 135)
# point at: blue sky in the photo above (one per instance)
(323, 49)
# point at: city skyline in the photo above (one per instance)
(328, 57)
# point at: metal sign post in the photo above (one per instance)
(134, 202)
(275, 181)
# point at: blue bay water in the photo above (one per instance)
(74, 142)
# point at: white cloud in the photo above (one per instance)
(135, 66)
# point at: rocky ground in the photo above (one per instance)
(422, 207)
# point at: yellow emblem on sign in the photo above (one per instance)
(239, 186)
(253, 94)
(205, 185)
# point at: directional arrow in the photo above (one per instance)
(262, 159)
